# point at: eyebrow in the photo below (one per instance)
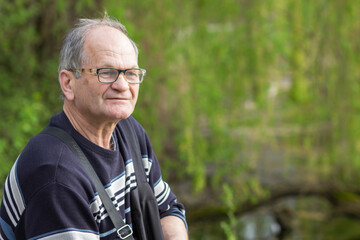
(112, 66)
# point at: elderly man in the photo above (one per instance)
(48, 194)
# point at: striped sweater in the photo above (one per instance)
(48, 194)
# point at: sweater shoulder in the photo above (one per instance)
(46, 160)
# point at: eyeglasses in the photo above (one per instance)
(110, 75)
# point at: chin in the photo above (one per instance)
(122, 115)
(119, 112)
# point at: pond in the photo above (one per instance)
(303, 218)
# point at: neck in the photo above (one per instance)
(96, 132)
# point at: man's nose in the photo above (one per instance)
(120, 82)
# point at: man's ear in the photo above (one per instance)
(67, 84)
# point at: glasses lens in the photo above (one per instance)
(134, 75)
(107, 75)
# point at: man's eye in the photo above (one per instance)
(132, 74)
(108, 73)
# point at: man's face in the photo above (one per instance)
(106, 102)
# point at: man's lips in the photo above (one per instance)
(119, 98)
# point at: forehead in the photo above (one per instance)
(107, 42)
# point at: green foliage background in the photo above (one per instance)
(224, 78)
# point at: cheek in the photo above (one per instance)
(135, 92)
(81, 86)
(91, 94)
(92, 89)
(134, 88)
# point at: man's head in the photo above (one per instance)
(95, 44)
(71, 54)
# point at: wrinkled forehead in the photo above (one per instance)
(104, 37)
(107, 41)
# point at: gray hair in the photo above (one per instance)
(71, 54)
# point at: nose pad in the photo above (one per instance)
(120, 82)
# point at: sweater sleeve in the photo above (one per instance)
(58, 212)
(39, 205)
(166, 199)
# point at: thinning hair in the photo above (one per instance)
(71, 54)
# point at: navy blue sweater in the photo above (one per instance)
(48, 194)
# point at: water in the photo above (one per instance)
(308, 218)
(259, 225)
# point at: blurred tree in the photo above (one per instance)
(239, 93)
(30, 38)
